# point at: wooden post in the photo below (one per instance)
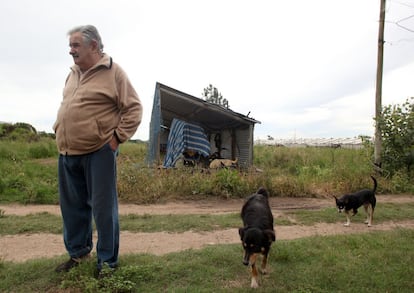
(378, 94)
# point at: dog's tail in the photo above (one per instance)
(262, 191)
(375, 184)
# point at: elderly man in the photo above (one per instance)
(100, 109)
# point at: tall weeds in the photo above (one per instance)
(29, 174)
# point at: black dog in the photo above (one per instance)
(258, 233)
(353, 201)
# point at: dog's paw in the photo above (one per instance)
(254, 283)
(347, 224)
(263, 271)
(369, 225)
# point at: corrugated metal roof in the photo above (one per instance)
(210, 116)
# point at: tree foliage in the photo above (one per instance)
(212, 95)
(21, 131)
(397, 130)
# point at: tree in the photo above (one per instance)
(212, 95)
(397, 131)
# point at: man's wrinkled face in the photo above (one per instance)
(80, 51)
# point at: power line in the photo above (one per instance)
(399, 23)
(403, 3)
(404, 19)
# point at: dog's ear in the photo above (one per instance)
(262, 191)
(241, 232)
(270, 235)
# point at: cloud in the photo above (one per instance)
(300, 67)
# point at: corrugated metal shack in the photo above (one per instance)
(230, 134)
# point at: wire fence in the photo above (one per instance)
(354, 143)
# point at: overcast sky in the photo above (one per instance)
(303, 68)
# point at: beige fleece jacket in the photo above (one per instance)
(95, 106)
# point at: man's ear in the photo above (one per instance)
(94, 45)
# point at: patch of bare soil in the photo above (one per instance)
(19, 248)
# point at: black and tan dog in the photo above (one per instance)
(353, 201)
(258, 233)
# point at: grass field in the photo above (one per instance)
(373, 262)
(370, 262)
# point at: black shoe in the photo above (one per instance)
(70, 264)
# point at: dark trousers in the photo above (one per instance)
(87, 188)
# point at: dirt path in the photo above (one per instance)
(19, 248)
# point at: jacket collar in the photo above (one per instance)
(105, 61)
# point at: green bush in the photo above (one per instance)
(397, 131)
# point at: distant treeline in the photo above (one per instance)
(21, 131)
(27, 132)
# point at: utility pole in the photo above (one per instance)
(378, 94)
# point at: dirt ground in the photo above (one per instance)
(22, 247)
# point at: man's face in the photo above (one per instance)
(80, 51)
